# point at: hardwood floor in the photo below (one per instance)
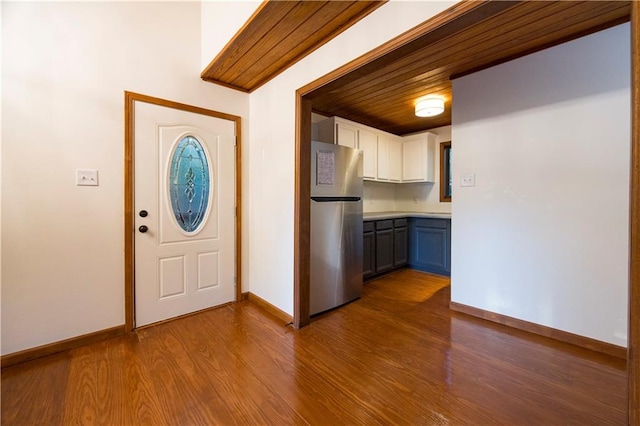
(396, 356)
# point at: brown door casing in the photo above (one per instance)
(129, 102)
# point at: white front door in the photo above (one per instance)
(184, 201)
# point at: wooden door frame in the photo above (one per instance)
(129, 215)
(633, 342)
(302, 250)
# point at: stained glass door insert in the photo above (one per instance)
(189, 183)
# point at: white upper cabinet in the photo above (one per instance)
(386, 157)
(368, 143)
(389, 158)
(395, 160)
(418, 158)
(339, 131)
(347, 135)
(354, 135)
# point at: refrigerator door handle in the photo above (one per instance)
(334, 199)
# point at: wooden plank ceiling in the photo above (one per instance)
(382, 92)
(279, 34)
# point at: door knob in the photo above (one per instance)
(143, 228)
(143, 213)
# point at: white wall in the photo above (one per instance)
(379, 196)
(1, 183)
(272, 143)
(66, 66)
(543, 236)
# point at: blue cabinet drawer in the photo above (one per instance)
(400, 223)
(432, 223)
(384, 224)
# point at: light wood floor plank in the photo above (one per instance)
(398, 355)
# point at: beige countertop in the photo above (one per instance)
(395, 215)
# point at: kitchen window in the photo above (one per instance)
(446, 178)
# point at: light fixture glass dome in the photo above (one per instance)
(430, 106)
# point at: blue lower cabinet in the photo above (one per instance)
(385, 246)
(384, 250)
(430, 245)
(420, 243)
(400, 246)
(368, 250)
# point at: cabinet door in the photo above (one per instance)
(389, 159)
(368, 143)
(384, 250)
(430, 246)
(384, 166)
(400, 247)
(347, 135)
(395, 160)
(368, 250)
(418, 158)
(412, 164)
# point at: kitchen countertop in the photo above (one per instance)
(395, 215)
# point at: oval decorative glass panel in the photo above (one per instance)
(189, 183)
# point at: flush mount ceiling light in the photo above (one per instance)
(429, 106)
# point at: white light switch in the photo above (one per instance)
(86, 177)
(468, 180)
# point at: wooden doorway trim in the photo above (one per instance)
(302, 251)
(302, 213)
(129, 120)
(301, 217)
(633, 343)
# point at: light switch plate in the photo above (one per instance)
(85, 177)
(468, 180)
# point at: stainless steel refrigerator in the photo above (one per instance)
(336, 226)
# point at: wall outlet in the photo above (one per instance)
(86, 177)
(468, 180)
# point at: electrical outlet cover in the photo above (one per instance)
(468, 180)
